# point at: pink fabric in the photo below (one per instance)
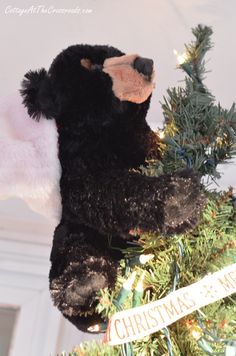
(29, 164)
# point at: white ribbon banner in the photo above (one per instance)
(134, 324)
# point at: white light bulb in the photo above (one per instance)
(139, 286)
(161, 134)
(146, 258)
(94, 328)
(130, 281)
(181, 58)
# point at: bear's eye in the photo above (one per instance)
(86, 63)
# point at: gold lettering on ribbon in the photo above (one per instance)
(128, 326)
(115, 325)
(170, 309)
(139, 323)
(232, 275)
(225, 282)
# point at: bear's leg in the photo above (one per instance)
(81, 265)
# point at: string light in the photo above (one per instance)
(130, 281)
(126, 289)
(196, 332)
(94, 328)
(181, 58)
(140, 260)
(138, 292)
(161, 134)
(166, 139)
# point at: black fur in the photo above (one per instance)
(38, 94)
(101, 141)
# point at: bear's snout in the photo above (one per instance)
(144, 66)
(132, 77)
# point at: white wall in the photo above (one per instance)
(152, 28)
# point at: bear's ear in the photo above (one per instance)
(38, 94)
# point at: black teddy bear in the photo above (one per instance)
(99, 98)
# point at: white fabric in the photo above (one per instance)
(29, 164)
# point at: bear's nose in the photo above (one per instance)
(144, 66)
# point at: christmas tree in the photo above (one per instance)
(198, 134)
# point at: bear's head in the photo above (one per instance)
(99, 97)
(93, 83)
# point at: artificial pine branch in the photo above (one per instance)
(195, 52)
(198, 132)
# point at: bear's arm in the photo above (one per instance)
(118, 201)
